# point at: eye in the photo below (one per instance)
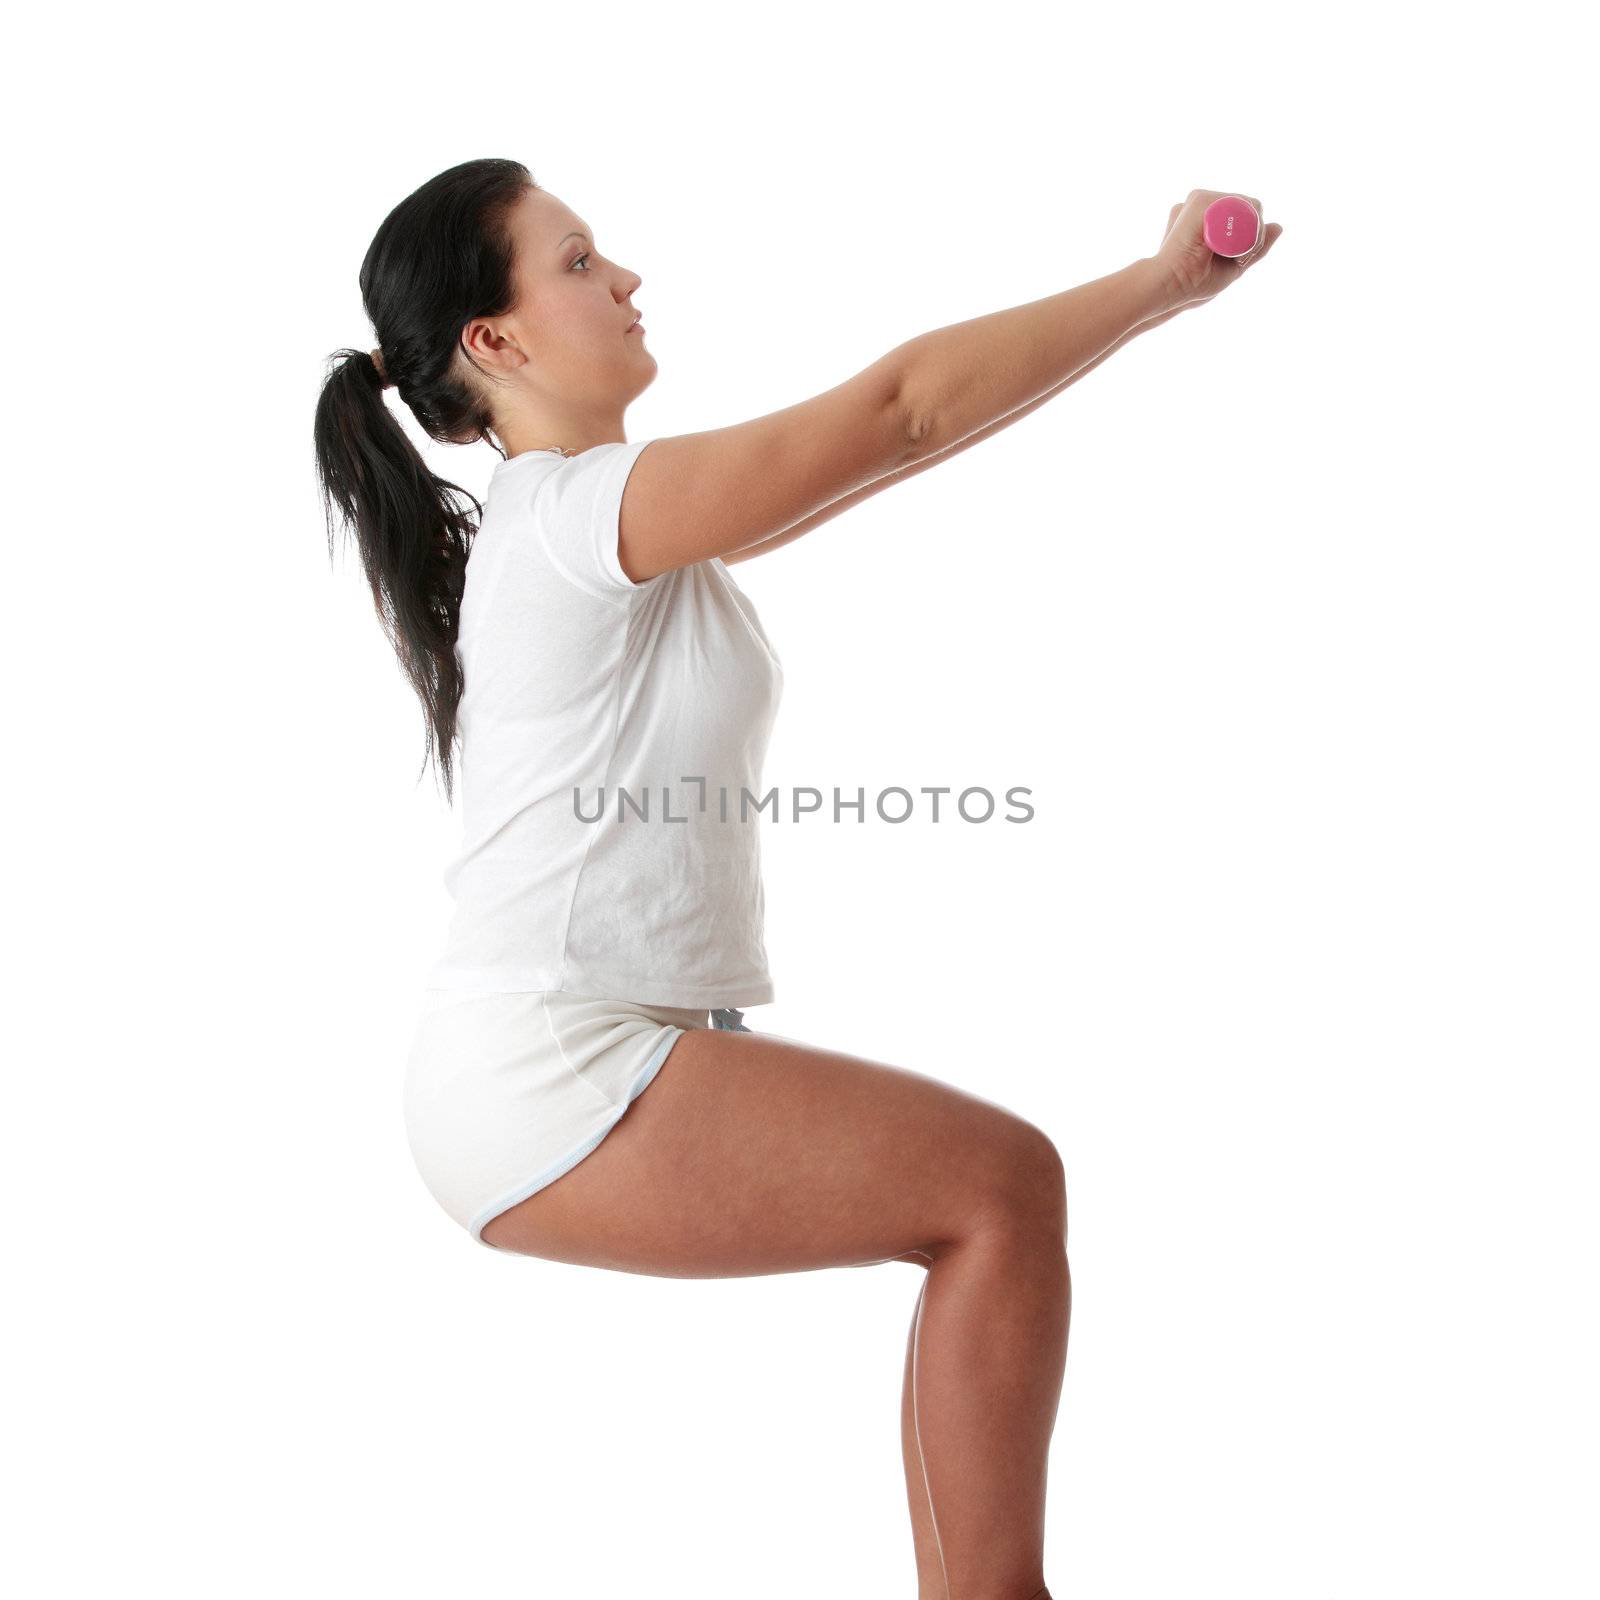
(583, 257)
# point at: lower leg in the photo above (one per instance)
(989, 1357)
(930, 1564)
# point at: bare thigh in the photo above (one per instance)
(752, 1153)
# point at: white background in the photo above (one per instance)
(1296, 962)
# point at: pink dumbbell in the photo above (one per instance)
(1231, 226)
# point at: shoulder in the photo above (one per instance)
(575, 505)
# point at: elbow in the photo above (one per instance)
(917, 426)
(916, 418)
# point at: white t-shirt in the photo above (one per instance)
(576, 678)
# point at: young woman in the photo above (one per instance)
(595, 654)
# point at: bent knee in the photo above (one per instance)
(1030, 1190)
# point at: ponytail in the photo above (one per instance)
(412, 536)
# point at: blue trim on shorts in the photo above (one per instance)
(569, 1161)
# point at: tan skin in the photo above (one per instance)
(752, 1153)
(565, 367)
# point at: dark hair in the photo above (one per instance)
(443, 256)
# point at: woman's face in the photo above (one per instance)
(567, 344)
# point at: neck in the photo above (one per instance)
(569, 435)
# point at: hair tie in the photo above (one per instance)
(377, 361)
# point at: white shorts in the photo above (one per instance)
(506, 1091)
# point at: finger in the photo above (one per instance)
(1269, 236)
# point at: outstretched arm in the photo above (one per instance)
(828, 512)
(961, 383)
